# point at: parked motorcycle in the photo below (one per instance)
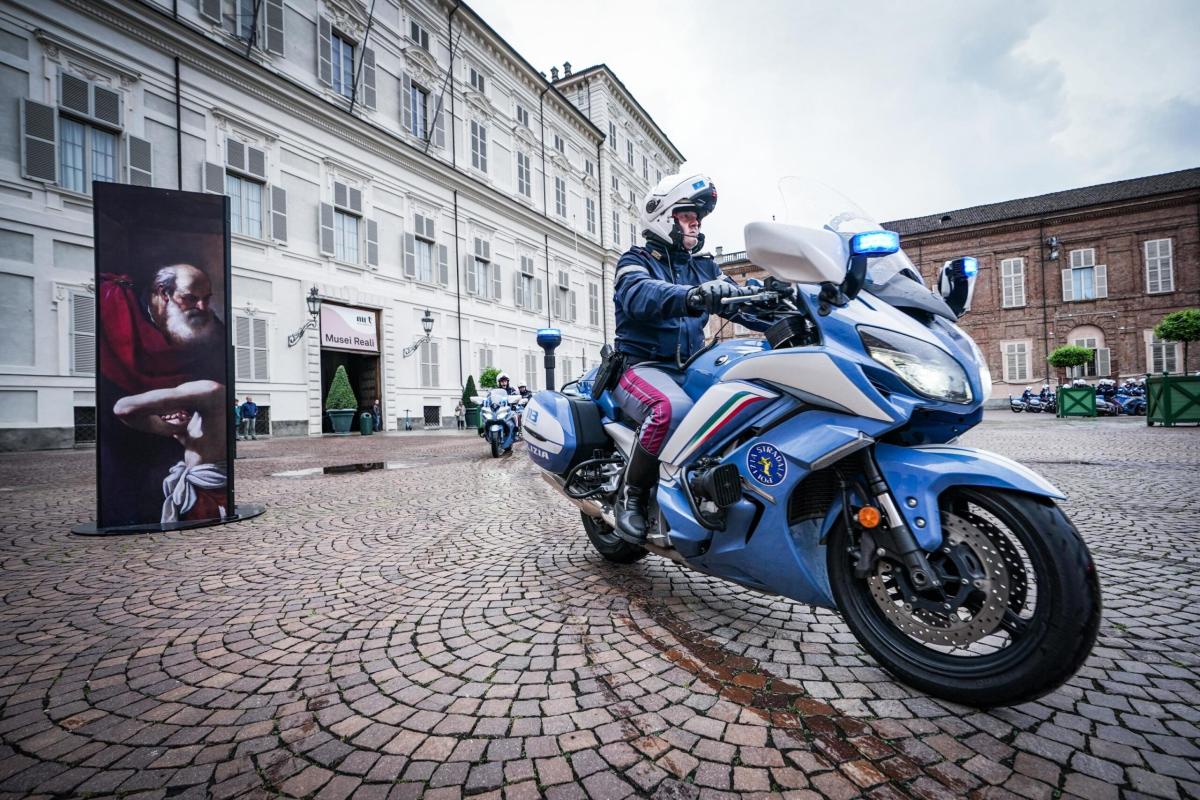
(498, 419)
(1049, 400)
(1033, 403)
(816, 464)
(1016, 404)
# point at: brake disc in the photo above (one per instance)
(951, 626)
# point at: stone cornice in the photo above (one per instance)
(90, 63)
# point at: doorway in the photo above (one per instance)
(363, 371)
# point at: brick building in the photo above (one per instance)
(1097, 266)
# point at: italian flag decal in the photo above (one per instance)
(735, 405)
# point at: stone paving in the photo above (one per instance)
(442, 629)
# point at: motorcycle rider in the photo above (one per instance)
(664, 293)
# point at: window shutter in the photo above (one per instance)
(410, 255)
(518, 290)
(573, 308)
(107, 105)
(256, 162)
(39, 145)
(326, 223)
(211, 10)
(472, 282)
(439, 126)
(372, 243)
(1101, 282)
(75, 94)
(141, 161)
(83, 333)
(279, 213)
(497, 284)
(242, 349)
(274, 27)
(1103, 362)
(433, 364)
(340, 193)
(1068, 290)
(443, 265)
(539, 293)
(259, 346)
(406, 102)
(368, 74)
(324, 51)
(356, 200)
(212, 178)
(235, 154)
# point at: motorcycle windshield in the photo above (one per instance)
(498, 397)
(812, 204)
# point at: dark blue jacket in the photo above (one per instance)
(249, 410)
(653, 320)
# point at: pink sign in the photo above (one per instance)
(346, 328)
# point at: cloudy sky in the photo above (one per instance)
(910, 108)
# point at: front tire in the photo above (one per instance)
(609, 545)
(1022, 635)
(495, 443)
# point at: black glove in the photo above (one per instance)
(708, 295)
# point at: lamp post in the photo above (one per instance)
(427, 324)
(314, 308)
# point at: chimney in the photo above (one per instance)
(719, 250)
(554, 73)
(566, 68)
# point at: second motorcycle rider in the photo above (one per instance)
(664, 293)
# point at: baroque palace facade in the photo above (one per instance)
(1097, 266)
(400, 157)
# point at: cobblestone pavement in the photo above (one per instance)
(442, 629)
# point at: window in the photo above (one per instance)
(342, 58)
(593, 304)
(423, 247)
(1099, 366)
(1085, 279)
(524, 174)
(83, 333)
(345, 237)
(245, 205)
(657, 176)
(418, 99)
(239, 18)
(527, 287)
(250, 348)
(418, 34)
(616, 228)
(1016, 361)
(632, 198)
(477, 82)
(616, 183)
(1012, 280)
(478, 146)
(483, 276)
(86, 154)
(632, 233)
(590, 212)
(629, 152)
(522, 115)
(589, 167)
(559, 144)
(1160, 274)
(487, 358)
(531, 371)
(560, 197)
(612, 135)
(564, 298)
(427, 357)
(1163, 356)
(645, 168)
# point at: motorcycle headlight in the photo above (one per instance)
(927, 369)
(488, 414)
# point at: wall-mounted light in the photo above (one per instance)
(314, 308)
(427, 325)
(1052, 243)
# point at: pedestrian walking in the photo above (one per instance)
(377, 415)
(249, 414)
(460, 416)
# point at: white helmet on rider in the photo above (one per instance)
(676, 193)
(503, 376)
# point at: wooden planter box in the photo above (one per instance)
(1172, 399)
(1078, 401)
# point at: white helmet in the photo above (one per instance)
(503, 376)
(676, 193)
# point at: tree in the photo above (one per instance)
(488, 378)
(340, 394)
(1180, 326)
(469, 392)
(1070, 355)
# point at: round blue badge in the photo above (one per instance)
(766, 464)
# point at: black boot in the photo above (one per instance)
(640, 475)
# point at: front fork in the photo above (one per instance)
(893, 537)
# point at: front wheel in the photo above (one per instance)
(609, 544)
(495, 443)
(1016, 615)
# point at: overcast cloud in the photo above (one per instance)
(910, 108)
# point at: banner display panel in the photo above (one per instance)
(348, 328)
(164, 389)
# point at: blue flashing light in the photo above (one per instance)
(549, 337)
(874, 243)
(970, 266)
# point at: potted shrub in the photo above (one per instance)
(1073, 402)
(340, 403)
(470, 406)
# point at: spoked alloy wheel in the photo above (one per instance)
(1016, 615)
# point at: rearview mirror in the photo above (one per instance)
(957, 283)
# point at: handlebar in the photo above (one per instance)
(763, 297)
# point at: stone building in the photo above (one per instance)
(397, 156)
(1097, 266)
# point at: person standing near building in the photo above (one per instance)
(249, 415)
(237, 420)
(377, 415)
(460, 416)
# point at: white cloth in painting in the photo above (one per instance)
(179, 487)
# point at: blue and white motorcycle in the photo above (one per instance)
(818, 464)
(498, 419)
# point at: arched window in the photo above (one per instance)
(1101, 364)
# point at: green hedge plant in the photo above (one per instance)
(340, 395)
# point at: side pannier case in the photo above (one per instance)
(561, 432)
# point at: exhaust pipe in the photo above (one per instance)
(589, 507)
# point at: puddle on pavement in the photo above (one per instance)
(343, 469)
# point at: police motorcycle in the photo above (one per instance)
(1033, 402)
(1016, 404)
(819, 464)
(498, 412)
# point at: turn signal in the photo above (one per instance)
(868, 516)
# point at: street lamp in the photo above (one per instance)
(314, 308)
(427, 324)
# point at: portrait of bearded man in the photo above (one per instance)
(162, 377)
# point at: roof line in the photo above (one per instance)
(604, 67)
